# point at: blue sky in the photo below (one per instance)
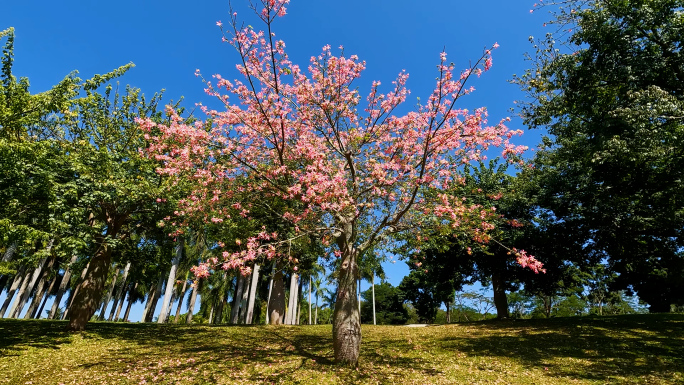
(168, 40)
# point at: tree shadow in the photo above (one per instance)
(599, 349)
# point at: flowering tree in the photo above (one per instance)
(352, 173)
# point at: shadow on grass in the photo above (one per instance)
(593, 348)
(600, 349)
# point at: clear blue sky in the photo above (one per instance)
(168, 40)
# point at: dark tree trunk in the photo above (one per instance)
(63, 285)
(26, 289)
(276, 305)
(254, 281)
(237, 299)
(40, 290)
(16, 283)
(346, 322)
(500, 299)
(191, 306)
(110, 292)
(88, 293)
(130, 302)
(155, 299)
(50, 289)
(184, 291)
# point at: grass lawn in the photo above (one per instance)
(636, 349)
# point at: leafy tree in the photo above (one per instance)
(353, 176)
(611, 173)
(389, 305)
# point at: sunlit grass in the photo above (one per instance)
(640, 349)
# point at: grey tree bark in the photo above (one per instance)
(247, 284)
(25, 290)
(63, 285)
(39, 291)
(237, 299)
(373, 293)
(110, 292)
(50, 289)
(155, 299)
(252, 294)
(291, 311)
(16, 283)
(310, 280)
(346, 320)
(170, 282)
(276, 304)
(120, 296)
(184, 291)
(130, 302)
(191, 306)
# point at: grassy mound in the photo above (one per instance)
(637, 349)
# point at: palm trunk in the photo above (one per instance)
(276, 303)
(110, 292)
(130, 302)
(18, 280)
(299, 303)
(50, 289)
(191, 306)
(120, 296)
(310, 280)
(292, 301)
(63, 285)
(7, 257)
(316, 317)
(373, 292)
(346, 322)
(247, 285)
(270, 289)
(40, 290)
(155, 300)
(15, 312)
(252, 294)
(163, 316)
(148, 304)
(184, 291)
(237, 298)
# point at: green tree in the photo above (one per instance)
(389, 305)
(611, 173)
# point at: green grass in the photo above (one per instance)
(638, 349)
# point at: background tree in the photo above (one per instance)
(610, 173)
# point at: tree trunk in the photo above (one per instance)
(247, 285)
(448, 312)
(291, 311)
(310, 280)
(270, 289)
(276, 304)
(237, 298)
(170, 283)
(50, 289)
(299, 303)
(373, 293)
(346, 323)
(252, 294)
(148, 304)
(316, 317)
(110, 292)
(155, 299)
(7, 257)
(63, 285)
(16, 283)
(500, 299)
(65, 315)
(191, 306)
(26, 290)
(88, 293)
(120, 296)
(40, 290)
(184, 291)
(358, 295)
(130, 302)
